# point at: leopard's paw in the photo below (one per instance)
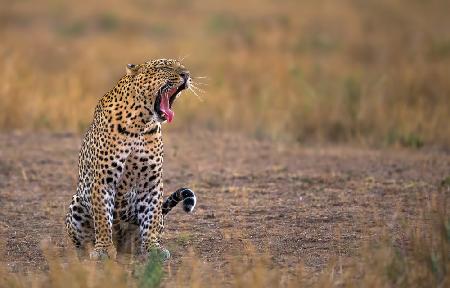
(100, 254)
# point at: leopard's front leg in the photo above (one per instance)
(150, 218)
(102, 199)
(150, 195)
(102, 208)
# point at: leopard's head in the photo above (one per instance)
(160, 81)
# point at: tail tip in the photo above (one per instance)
(189, 204)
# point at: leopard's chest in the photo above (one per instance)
(142, 170)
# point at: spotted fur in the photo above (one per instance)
(120, 163)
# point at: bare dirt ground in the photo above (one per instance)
(299, 204)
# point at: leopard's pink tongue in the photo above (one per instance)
(165, 107)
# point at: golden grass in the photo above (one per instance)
(371, 71)
(414, 256)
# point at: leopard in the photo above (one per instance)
(120, 164)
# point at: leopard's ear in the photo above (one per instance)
(132, 69)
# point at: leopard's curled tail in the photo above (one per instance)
(183, 194)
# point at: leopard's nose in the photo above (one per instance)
(185, 75)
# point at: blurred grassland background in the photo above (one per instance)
(371, 72)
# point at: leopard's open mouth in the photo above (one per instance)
(164, 100)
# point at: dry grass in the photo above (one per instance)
(372, 71)
(419, 259)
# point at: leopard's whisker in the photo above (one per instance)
(198, 89)
(200, 83)
(193, 90)
(195, 93)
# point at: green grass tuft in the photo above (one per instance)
(153, 271)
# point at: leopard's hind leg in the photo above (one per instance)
(79, 224)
